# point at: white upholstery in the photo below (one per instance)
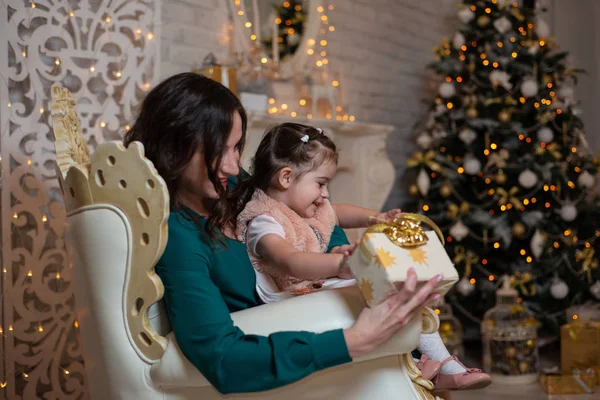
(100, 246)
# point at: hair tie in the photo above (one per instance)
(320, 130)
(304, 138)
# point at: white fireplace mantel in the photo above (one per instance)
(365, 174)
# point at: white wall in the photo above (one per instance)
(575, 25)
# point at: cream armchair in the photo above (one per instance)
(117, 209)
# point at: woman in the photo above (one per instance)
(193, 130)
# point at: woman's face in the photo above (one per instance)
(194, 179)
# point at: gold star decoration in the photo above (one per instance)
(366, 287)
(418, 255)
(384, 259)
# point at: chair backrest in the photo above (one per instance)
(117, 209)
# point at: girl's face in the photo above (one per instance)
(195, 183)
(308, 191)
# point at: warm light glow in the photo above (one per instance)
(118, 74)
(32, 5)
(488, 180)
(302, 102)
(319, 63)
(328, 115)
(449, 105)
(495, 64)
(486, 152)
(284, 106)
(491, 192)
(323, 53)
(76, 324)
(286, 4)
(278, 21)
(331, 28)
(459, 79)
(352, 118)
(472, 281)
(66, 372)
(323, 17)
(528, 140)
(44, 218)
(57, 61)
(460, 170)
(323, 42)
(482, 56)
(521, 137)
(571, 184)
(30, 273)
(264, 60)
(107, 19)
(567, 232)
(529, 259)
(500, 44)
(248, 24)
(253, 37)
(29, 162)
(493, 146)
(488, 10)
(425, 207)
(331, 7)
(559, 111)
(58, 275)
(92, 68)
(240, 12)
(463, 47)
(448, 79)
(437, 311)
(127, 127)
(71, 14)
(310, 51)
(320, 9)
(40, 329)
(523, 252)
(547, 205)
(533, 200)
(574, 149)
(503, 208)
(484, 261)
(496, 245)
(138, 31)
(309, 116)
(491, 278)
(486, 62)
(542, 43)
(335, 83)
(150, 35)
(293, 113)
(514, 54)
(102, 124)
(526, 201)
(15, 216)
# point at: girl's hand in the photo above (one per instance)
(390, 215)
(346, 250)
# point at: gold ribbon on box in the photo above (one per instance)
(574, 328)
(405, 230)
(226, 76)
(427, 159)
(468, 257)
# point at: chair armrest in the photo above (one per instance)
(316, 312)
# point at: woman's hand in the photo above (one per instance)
(346, 250)
(379, 323)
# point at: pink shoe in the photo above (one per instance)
(429, 368)
(472, 379)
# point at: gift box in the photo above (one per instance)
(389, 249)
(576, 382)
(226, 76)
(579, 345)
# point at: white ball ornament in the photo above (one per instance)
(528, 179)
(586, 180)
(568, 212)
(595, 290)
(472, 165)
(542, 28)
(465, 15)
(447, 90)
(465, 287)
(529, 87)
(545, 134)
(458, 40)
(424, 141)
(423, 182)
(467, 135)
(559, 289)
(459, 231)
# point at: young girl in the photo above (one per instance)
(284, 215)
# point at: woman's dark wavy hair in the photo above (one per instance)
(184, 113)
(282, 146)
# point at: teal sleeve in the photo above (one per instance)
(338, 238)
(232, 361)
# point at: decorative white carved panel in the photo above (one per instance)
(105, 53)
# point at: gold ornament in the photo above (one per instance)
(445, 190)
(501, 177)
(413, 190)
(483, 21)
(472, 113)
(518, 229)
(531, 343)
(427, 159)
(524, 367)
(504, 116)
(510, 352)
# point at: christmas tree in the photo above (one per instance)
(290, 17)
(504, 168)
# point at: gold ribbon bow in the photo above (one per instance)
(427, 159)
(551, 148)
(521, 281)
(468, 257)
(575, 327)
(497, 159)
(546, 117)
(405, 230)
(505, 197)
(588, 262)
(454, 210)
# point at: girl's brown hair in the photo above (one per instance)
(282, 146)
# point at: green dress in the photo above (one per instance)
(203, 285)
